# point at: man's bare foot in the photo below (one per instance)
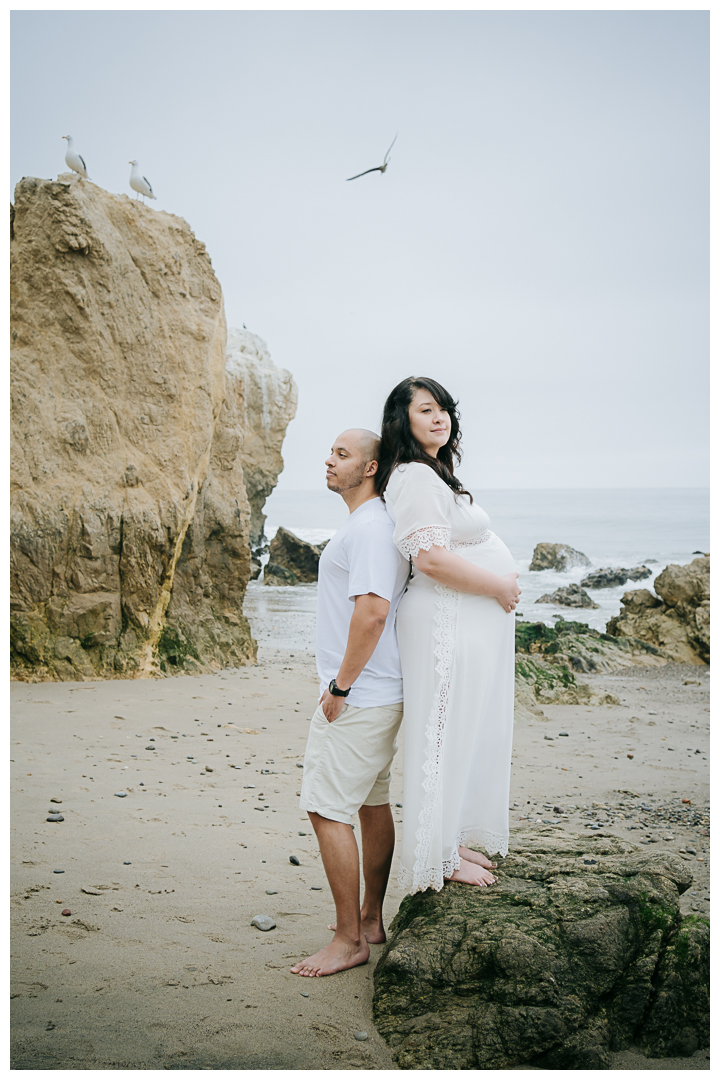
(472, 874)
(477, 857)
(337, 956)
(373, 930)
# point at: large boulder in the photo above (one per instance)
(296, 559)
(130, 520)
(688, 584)
(677, 620)
(610, 578)
(578, 950)
(557, 557)
(568, 596)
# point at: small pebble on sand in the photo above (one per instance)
(316, 888)
(56, 800)
(66, 911)
(304, 993)
(54, 817)
(58, 871)
(361, 1036)
(121, 794)
(263, 922)
(294, 860)
(126, 862)
(271, 892)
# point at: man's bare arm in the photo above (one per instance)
(366, 626)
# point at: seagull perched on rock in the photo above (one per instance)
(378, 168)
(73, 159)
(140, 183)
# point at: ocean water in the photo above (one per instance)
(612, 527)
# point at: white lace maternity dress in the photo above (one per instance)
(457, 653)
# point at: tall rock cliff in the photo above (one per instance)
(130, 517)
(269, 399)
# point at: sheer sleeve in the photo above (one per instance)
(420, 504)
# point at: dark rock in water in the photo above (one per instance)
(557, 557)
(278, 575)
(568, 596)
(611, 578)
(579, 949)
(639, 573)
(289, 555)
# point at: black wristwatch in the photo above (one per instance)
(335, 689)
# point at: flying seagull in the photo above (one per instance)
(378, 168)
(73, 159)
(140, 183)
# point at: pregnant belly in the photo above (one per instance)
(492, 554)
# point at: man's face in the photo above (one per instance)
(345, 466)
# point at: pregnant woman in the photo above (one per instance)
(456, 634)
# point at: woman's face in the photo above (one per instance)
(429, 423)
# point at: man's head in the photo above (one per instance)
(352, 464)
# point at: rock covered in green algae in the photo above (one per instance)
(575, 952)
(678, 1022)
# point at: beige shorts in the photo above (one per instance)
(347, 762)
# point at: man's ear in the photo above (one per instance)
(371, 468)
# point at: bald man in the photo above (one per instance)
(353, 733)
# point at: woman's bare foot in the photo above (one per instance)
(477, 857)
(472, 874)
(373, 930)
(337, 956)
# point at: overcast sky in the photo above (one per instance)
(539, 242)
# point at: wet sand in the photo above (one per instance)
(158, 966)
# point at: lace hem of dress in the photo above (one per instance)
(423, 540)
(424, 876)
(433, 877)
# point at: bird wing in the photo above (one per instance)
(83, 162)
(378, 168)
(390, 147)
(148, 183)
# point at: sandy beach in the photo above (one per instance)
(157, 966)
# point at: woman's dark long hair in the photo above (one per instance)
(398, 444)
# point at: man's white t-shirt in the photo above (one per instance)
(360, 558)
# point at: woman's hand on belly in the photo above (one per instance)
(508, 595)
(452, 570)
